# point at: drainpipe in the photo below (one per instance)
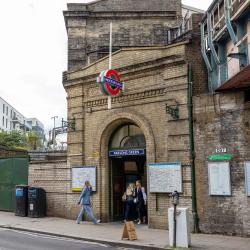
(191, 151)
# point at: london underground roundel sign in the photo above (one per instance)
(110, 83)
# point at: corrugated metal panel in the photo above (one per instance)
(13, 171)
(239, 81)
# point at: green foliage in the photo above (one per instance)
(13, 139)
(19, 140)
(33, 140)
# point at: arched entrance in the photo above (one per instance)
(107, 128)
(127, 158)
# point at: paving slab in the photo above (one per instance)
(112, 232)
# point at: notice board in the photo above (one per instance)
(80, 174)
(219, 178)
(247, 177)
(165, 177)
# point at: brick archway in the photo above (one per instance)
(108, 126)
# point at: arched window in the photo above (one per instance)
(126, 137)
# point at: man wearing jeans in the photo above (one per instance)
(84, 200)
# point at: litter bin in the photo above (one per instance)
(21, 200)
(36, 202)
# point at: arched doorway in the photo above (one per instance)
(127, 158)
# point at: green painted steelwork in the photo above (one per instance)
(223, 66)
(203, 49)
(228, 22)
(14, 171)
(210, 39)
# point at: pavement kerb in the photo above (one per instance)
(107, 242)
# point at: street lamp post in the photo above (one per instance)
(54, 134)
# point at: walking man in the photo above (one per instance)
(84, 200)
(140, 199)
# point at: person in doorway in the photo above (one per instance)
(84, 201)
(128, 201)
(140, 199)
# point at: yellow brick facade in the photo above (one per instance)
(154, 77)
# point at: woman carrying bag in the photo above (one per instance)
(128, 200)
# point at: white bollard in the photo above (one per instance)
(183, 237)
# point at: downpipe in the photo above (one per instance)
(191, 150)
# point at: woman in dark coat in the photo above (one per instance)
(128, 199)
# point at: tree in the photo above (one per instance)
(13, 139)
(33, 140)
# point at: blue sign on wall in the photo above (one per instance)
(126, 152)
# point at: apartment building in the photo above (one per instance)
(11, 118)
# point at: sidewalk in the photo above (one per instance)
(111, 233)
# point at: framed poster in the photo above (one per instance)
(247, 177)
(165, 177)
(80, 174)
(219, 178)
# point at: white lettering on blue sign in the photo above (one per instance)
(126, 152)
(113, 82)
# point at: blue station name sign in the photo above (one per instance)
(126, 152)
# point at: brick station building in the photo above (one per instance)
(157, 61)
(156, 76)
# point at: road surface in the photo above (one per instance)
(18, 240)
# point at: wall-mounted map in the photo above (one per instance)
(219, 178)
(165, 177)
(80, 174)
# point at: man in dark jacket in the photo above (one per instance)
(140, 199)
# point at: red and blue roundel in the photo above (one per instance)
(110, 82)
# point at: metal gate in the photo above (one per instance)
(13, 171)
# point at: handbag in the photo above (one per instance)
(135, 200)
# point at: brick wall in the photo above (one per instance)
(135, 23)
(7, 152)
(222, 121)
(154, 77)
(52, 174)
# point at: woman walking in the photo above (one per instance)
(128, 199)
(140, 199)
(84, 200)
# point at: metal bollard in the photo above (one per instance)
(175, 201)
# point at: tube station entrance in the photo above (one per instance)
(127, 157)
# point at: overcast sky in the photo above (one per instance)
(33, 54)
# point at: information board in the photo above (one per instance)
(165, 177)
(219, 178)
(80, 174)
(247, 177)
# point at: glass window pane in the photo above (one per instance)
(128, 136)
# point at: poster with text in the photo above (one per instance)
(165, 177)
(219, 178)
(247, 177)
(81, 174)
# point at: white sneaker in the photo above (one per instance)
(139, 222)
(98, 221)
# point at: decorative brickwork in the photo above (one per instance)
(154, 77)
